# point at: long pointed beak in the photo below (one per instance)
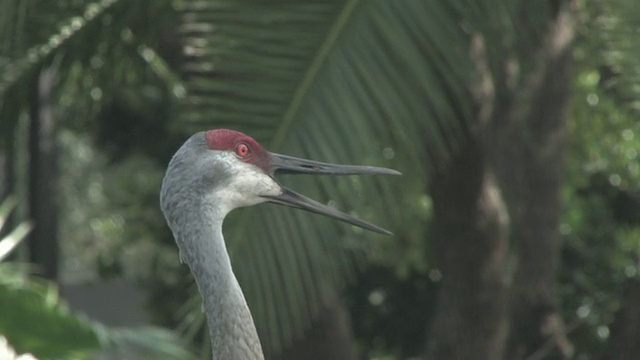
(292, 165)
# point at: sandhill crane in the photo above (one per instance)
(213, 173)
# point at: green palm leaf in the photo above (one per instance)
(340, 81)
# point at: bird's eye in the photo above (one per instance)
(243, 150)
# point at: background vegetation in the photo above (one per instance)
(514, 122)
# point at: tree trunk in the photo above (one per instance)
(625, 330)
(535, 161)
(519, 153)
(4, 174)
(43, 242)
(472, 228)
(8, 172)
(4, 189)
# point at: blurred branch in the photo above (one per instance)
(553, 342)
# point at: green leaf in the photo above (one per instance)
(34, 321)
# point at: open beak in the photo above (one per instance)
(291, 165)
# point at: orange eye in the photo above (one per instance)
(243, 150)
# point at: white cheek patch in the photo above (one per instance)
(247, 186)
(252, 186)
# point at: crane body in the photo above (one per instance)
(213, 173)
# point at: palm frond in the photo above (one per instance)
(374, 82)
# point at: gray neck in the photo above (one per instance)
(202, 246)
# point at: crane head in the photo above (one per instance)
(240, 172)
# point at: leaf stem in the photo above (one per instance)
(311, 74)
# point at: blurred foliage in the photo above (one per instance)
(26, 303)
(96, 47)
(601, 227)
(123, 113)
(8, 353)
(34, 321)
